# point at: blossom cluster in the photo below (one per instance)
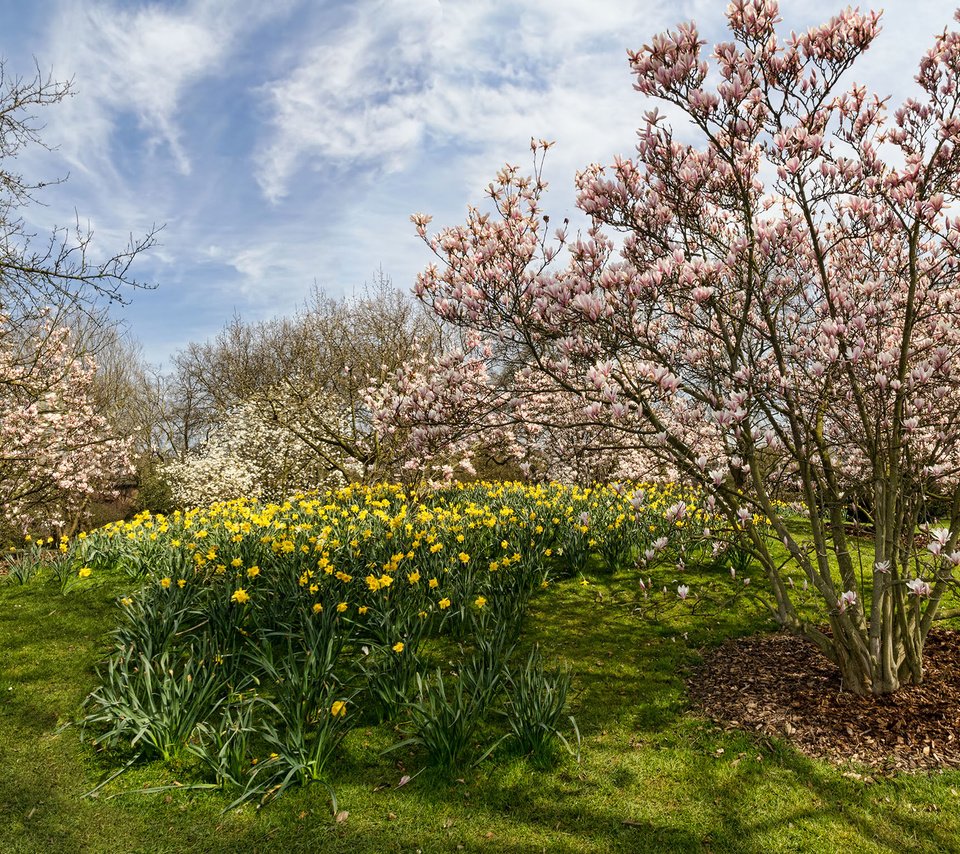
(772, 309)
(57, 451)
(356, 545)
(248, 456)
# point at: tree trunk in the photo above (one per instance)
(878, 674)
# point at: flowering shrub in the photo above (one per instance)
(247, 455)
(56, 451)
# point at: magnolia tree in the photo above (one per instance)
(56, 451)
(779, 310)
(435, 414)
(563, 436)
(442, 414)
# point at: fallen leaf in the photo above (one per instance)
(404, 780)
(342, 816)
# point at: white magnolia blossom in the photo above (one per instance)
(248, 456)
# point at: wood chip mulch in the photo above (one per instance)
(781, 685)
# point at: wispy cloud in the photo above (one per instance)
(288, 142)
(395, 78)
(135, 60)
(357, 95)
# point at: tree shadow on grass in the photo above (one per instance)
(654, 776)
(628, 669)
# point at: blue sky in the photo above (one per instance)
(286, 143)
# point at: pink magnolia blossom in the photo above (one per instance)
(779, 296)
(846, 600)
(56, 451)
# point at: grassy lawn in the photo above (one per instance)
(653, 775)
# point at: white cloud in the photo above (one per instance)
(343, 118)
(356, 97)
(487, 76)
(260, 259)
(133, 60)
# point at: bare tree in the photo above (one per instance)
(35, 270)
(307, 374)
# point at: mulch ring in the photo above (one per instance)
(782, 685)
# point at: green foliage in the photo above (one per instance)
(444, 719)
(387, 675)
(535, 703)
(22, 566)
(494, 643)
(302, 736)
(224, 742)
(299, 659)
(154, 703)
(151, 622)
(154, 494)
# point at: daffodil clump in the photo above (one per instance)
(321, 610)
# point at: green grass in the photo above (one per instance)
(654, 775)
